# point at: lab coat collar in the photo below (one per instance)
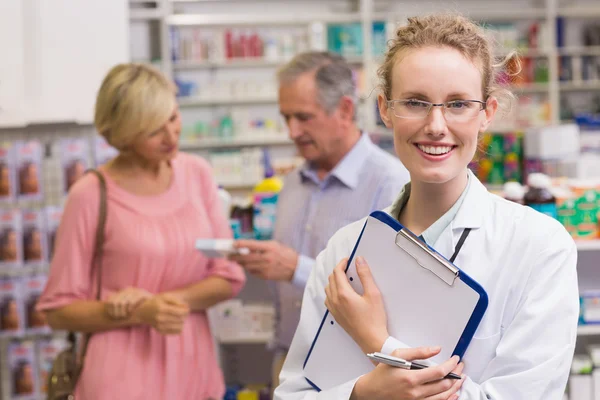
(474, 206)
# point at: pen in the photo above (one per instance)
(400, 363)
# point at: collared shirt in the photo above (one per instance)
(433, 232)
(310, 210)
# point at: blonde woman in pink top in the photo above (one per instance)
(151, 338)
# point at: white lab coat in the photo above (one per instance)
(525, 260)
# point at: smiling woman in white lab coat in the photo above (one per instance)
(438, 97)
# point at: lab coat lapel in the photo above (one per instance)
(470, 215)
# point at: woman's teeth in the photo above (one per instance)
(434, 150)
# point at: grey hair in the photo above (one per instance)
(333, 76)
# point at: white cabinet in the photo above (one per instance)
(11, 65)
(70, 46)
(54, 56)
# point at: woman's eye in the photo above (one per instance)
(458, 104)
(415, 104)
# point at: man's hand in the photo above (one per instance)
(268, 260)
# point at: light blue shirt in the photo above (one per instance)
(310, 210)
(434, 231)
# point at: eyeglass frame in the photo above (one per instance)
(389, 103)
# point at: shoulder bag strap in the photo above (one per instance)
(96, 263)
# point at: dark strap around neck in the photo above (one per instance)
(460, 243)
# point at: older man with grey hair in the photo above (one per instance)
(345, 178)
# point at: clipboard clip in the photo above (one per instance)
(447, 272)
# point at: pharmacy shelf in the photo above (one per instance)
(481, 15)
(199, 102)
(588, 245)
(591, 11)
(26, 270)
(523, 53)
(242, 63)
(531, 88)
(33, 336)
(259, 19)
(259, 339)
(579, 51)
(279, 139)
(588, 330)
(145, 14)
(234, 63)
(579, 86)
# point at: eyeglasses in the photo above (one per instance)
(455, 110)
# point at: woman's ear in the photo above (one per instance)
(384, 110)
(490, 111)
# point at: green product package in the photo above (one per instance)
(587, 215)
(568, 215)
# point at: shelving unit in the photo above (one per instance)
(271, 140)
(231, 101)
(263, 339)
(588, 245)
(588, 330)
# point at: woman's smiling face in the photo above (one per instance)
(438, 147)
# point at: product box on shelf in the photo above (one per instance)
(53, 217)
(233, 321)
(12, 320)
(35, 321)
(500, 158)
(11, 243)
(29, 156)
(22, 369)
(578, 205)
(48, 349)
(34, 238)
(8, 179)
(589, 307)
(74, 156)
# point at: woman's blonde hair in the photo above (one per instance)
(134, 99)
(446, 30)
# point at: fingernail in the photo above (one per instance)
(435, 348)
(360, 260)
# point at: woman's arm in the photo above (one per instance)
(165, 313)
(206, 293)
(88, 316)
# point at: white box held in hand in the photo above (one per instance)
(218, 248)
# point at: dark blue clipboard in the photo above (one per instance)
(476, 316)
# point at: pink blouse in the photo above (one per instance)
(149, 244)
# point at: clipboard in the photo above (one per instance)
(428, 301)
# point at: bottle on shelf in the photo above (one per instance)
(513, 191)
(539, 196)
(265, 195)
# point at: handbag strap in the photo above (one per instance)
(96, 260)
(99, 239)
